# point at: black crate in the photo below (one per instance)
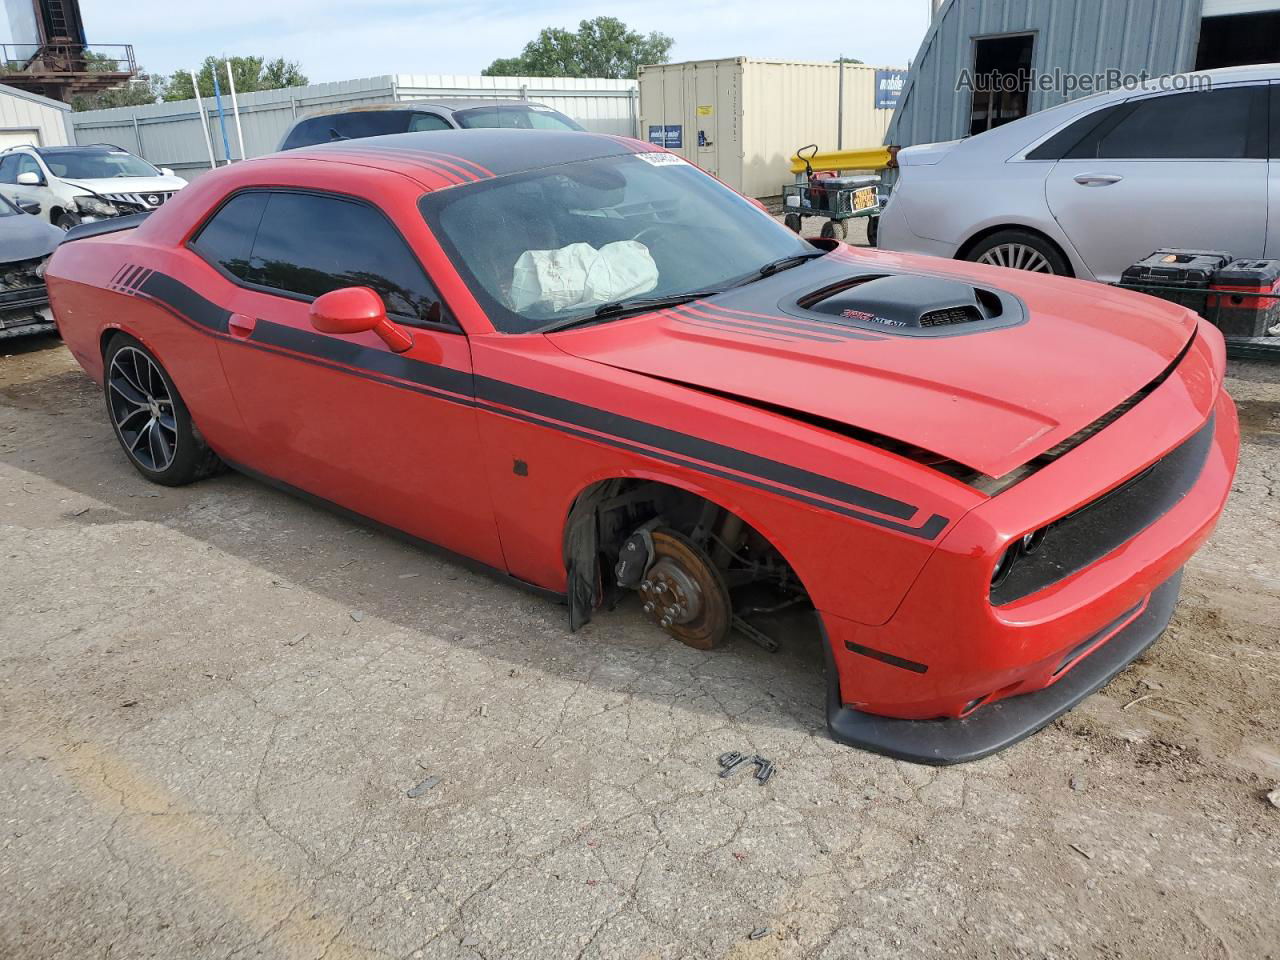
(1166, 272)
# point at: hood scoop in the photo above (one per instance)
(911, 305)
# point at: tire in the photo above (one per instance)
(67, 220)
(873, 231)
(792, 221)
(150, 419)
(828, 231)
(1020, 250)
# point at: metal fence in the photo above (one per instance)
(169, 134)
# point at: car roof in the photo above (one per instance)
(80, 148)
(465, 156)
(447, 103)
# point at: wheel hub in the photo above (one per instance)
(684, 593)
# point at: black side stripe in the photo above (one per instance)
(888, 658)
(518, 402)
(637, 431)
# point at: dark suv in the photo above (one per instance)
(416, 115)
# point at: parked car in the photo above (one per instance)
(1091, 187)
(85, 183)
(25, 244)
(414, 116)
(583, 362)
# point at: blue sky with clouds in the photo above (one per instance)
(339, 39)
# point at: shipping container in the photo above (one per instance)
(743, 119)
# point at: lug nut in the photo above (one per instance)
(646, 586)
(648, 608)
(664, 622)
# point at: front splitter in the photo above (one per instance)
(992, 728)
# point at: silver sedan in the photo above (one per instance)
(1090, 187)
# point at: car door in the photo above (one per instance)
(391, 436)
(1184, 170)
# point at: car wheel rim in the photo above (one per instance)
(1017, 256)
(142, 409)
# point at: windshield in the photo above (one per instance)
(540, 247)
(532, 117)
(97, 165)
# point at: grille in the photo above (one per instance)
(1082, 538)
(20, 276)
(148, 201)
(944, 318)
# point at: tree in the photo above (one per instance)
(141, 90)
(603, 47)
(251, 73)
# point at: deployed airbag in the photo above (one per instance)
(579, 275)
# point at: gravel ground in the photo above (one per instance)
(214, 701)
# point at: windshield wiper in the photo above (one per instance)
(619, 308)
(777, 266)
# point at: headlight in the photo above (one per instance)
(97, 207)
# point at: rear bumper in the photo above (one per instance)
(1004, 723)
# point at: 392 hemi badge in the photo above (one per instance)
(865, 317)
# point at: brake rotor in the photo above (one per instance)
(685, 594)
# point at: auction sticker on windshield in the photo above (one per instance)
(660, 159)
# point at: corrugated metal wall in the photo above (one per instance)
(1076, 36)
(169, 135)
(29, 118)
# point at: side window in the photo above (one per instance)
(1225, 124)
(27, 164)
(309, 244)
(1061, 143)
(428, 121)
(227, 239)
(9, 169)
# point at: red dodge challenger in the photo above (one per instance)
(581, 361)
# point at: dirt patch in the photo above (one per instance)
(205, 753)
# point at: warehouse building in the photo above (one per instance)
(984, 63)
(27, 117)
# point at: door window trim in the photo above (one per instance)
(1124, 107)
(447, 324)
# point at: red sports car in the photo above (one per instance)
(581, 361)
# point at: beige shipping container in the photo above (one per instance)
(743, 119)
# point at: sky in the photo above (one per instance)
(332, 41)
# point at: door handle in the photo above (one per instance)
(1097, 179)
(240, 326)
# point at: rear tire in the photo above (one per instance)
(1020, 250)
(150, 419)
(792, 221)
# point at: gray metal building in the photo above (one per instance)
(949, 93)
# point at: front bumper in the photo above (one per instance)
(24, 312)
(1004, 723)
(952, 652)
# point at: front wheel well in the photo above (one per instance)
(608, 512)
(969, 245)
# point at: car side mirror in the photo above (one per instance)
(357, 310)
(27, 178)
(29, 206)
(166, 172)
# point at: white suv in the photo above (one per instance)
(85, 183)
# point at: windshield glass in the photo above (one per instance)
(532, 117)
(98, 165)
(559, 242)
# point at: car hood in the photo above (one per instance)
(992, 398)
(24, 237)
(130, 184)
